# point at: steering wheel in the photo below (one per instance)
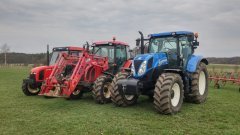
(171, 51)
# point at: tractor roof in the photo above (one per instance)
(110, 42)
(71, 48)
(171, 33)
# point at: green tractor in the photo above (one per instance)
(168, 73)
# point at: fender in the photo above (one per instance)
(194, 61)
(127, 64)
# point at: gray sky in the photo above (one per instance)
(28, 25)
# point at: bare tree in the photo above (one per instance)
(5, 49)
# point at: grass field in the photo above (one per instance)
(20, 114)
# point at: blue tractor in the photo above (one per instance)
(169, 72)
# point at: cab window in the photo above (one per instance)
(185, 49)
(163, 44)
(75, 53)
(121, 54)
(105, 51)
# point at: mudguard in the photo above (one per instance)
(194, 62)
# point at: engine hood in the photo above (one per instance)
(153, 60)
(38, 69)
(144, 56)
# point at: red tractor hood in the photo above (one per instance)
(40, 68)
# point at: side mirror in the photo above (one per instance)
(138, 41)
(195, 43)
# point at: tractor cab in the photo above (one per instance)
(177, 46)
(74, 51)
(117, 52)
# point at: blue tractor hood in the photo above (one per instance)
(144, 56)
(150, 60)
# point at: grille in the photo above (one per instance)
(150, 62)
(33, 77)
(41, 75)
(137, 64)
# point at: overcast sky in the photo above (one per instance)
(28, 25)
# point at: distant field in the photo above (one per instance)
(223, 68)
(20, 114)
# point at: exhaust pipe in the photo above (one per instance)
(141, 42)
(48, 55)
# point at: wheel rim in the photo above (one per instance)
(202, 83)
(31, 89)
(129, 97)
(106, 90)
(175, 94)
(76, 92)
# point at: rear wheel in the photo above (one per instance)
(117, 95)
(199, 85)
(101, 89)
(29, 89)
(168, 93)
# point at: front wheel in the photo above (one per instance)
(101, 89)
(117, 95)
(29, 89)
(199, 85)
(168, 93)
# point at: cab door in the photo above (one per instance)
(171, 48)
(120, 57)
(185, 50)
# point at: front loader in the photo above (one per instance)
(32, 85)
(91, 71)
(69, 71)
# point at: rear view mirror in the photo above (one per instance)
(195, 43)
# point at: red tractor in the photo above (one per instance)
(118, 54)
(72, 75)
(32, 85)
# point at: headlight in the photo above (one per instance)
(142, 68)
(133, 69)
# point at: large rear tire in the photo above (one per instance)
(29, 89)
(168, 93)
(199, 85)
(101, 89)
(118, 97)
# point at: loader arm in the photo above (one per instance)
(63, 85)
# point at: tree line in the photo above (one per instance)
(41, 58)
(23, 58)
(231, 60)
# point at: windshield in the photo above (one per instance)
(105, 51)
(55, 57)
(163, 44)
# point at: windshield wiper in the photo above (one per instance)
(96, 50)
(169, 43)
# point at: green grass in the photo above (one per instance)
(20, 114)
